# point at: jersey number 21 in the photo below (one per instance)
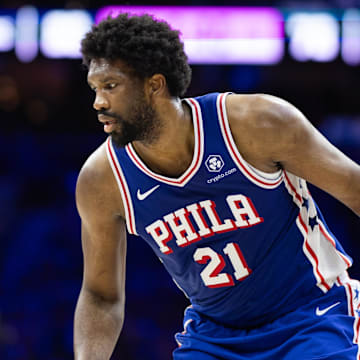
(212, 275)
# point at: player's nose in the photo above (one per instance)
(100, 102)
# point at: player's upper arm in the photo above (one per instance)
(283, 137)
(103, 229)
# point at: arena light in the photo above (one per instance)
(7, 33)
(26, 39)
(62, 31)
(350, 47)
(313, 36)
(221, 35)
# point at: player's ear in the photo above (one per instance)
(156, 85)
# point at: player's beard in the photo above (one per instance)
(140, 124)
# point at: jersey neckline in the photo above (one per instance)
(183, 179)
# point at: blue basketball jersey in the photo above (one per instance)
(244, 246)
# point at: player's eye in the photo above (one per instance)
(110, 86)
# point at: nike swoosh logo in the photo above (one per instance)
(143, 196)
(323, 311)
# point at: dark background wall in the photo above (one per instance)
(48, 129)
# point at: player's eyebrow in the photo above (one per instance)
(104, 80)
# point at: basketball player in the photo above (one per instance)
(217, 187)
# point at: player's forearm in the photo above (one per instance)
(97, 326)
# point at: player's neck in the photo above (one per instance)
(173, 151)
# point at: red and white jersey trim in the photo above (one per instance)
(258, 177)
(352, 288)
(197, 157)
(124, 190)
(319, 246)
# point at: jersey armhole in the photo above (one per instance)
(256, 176)
(123, 187)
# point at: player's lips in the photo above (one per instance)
(108, 121)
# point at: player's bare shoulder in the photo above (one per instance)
(261, 114)
(263, 126)
(97, 192)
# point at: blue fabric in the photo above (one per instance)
(298, 335)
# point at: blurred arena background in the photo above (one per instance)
(307, 52)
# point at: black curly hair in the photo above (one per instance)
(146, 45)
